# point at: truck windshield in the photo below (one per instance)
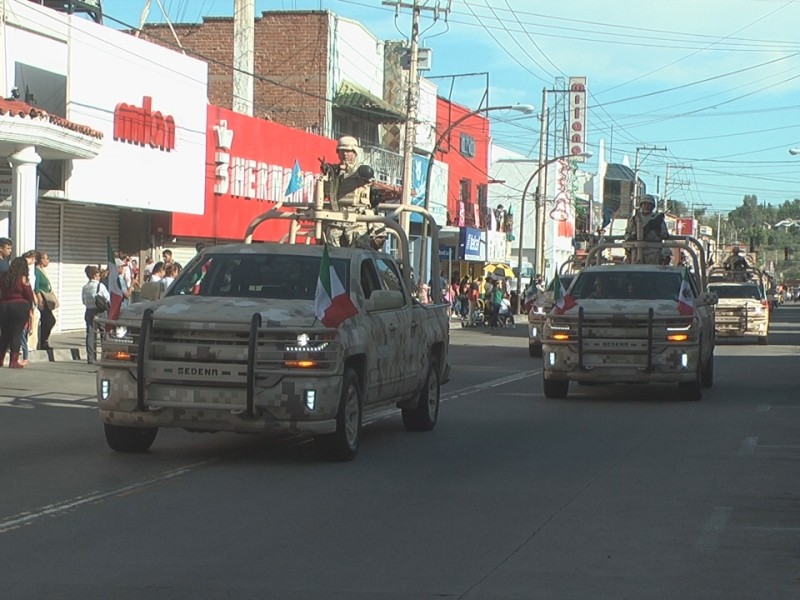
(275, 276)
(745, 291)
(630, 285)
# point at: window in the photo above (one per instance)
(369, 278)
(390, 278)
(467, 145)
(276, 276)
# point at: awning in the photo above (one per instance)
(355, 98)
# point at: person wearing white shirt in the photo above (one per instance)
(89, 293)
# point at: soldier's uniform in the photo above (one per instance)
(349, 191)
(646, 220)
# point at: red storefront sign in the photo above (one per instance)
(249, 164)
(684, 226)
(142, 126)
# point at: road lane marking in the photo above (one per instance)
(27, 518)
(762, 408)
(712, 531)
(473, 389)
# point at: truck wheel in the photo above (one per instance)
(555, 388)
(691, 391)
(129, 439)
(342, 444)
(707, 374)
(426, 413)
(763, 340)
(535, 350)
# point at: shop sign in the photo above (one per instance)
(5, 189)
(577, 117)
(248, 168)
(447, 253)
(470, 246)
(143, 127)
(684, 226)
(495, 246)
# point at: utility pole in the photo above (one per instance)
(243, 55)
(412, 101)
(538, 267)
(635, 191)
(666, 182)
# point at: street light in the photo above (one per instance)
(794, 151)
(539, 219)
(526, 109)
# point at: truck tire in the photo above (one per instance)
(424, 416)
(707, 374)
(691, 391)
(535, 350)
(129, 439)
(555, 388)
(342, 444)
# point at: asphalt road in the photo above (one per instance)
(616, 492)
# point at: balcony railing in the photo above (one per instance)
(388, 165)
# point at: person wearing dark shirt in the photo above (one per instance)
(5, 254)
(15, 309)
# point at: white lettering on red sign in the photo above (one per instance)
(142, 126)
(248, 178)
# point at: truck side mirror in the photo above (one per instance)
(384, 300)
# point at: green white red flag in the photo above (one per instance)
(564, 301)
(332, 303)
(685, 300)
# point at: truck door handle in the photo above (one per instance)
(392, 327)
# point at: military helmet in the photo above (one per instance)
(348, 142)
(648, 199)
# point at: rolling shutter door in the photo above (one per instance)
(85, 231)
(182, 254)
(48, 239)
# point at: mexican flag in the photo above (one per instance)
(685, 301)
(114, 287)
(564, 301)
(332, 303)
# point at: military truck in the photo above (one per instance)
(630, 322)
(236, 343)
(743, 310)
(541, 304)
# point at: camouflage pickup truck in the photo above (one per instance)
(236, 345)
(633, 323)
(744, 309)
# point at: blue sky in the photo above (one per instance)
(715, 82)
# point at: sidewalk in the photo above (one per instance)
(67, 345)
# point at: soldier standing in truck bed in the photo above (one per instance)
(649, 226)
(348, 188)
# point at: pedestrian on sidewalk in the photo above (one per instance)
(89, 294)
(30, 334)
(42, 288)
(15, 309)
(6, 248)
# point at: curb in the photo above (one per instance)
(54, 355)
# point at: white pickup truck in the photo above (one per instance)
(235, 345)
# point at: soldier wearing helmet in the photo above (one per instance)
(348, 188)
(648, 225)
(736, 265)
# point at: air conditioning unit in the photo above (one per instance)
(423, 59)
